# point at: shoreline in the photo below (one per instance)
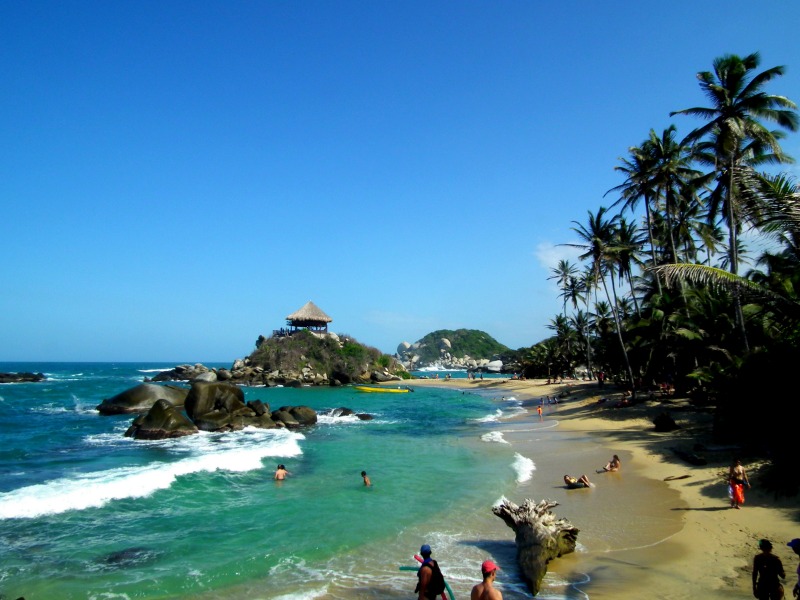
(714, 547)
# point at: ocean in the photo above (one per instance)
(86, 513)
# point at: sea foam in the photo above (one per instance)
(524, 467)
(238, 452)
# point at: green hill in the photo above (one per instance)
(463, 342)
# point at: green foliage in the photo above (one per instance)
(464, 342)
(344, 359)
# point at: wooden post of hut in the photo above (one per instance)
(309, 317)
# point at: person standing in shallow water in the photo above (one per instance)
(766, 569)
(281, 473)
(365, 477)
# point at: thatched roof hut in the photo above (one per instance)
(310, 316)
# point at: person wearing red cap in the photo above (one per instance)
(485, 590)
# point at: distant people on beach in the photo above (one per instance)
(613, 465)
(795, 545)
(485, 590)
(281, 473)
(766, 569)
(365, 477)
(580, 482)
(737, 479)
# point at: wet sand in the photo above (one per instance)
(661, 527)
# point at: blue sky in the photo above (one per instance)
(177, 177)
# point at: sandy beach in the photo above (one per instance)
(711, 553)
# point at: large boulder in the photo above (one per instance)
(162, 421)
(141, 398)
(207, 397)
(303, 414)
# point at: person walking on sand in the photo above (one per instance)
(365, 477)
(539, 411)
(281, 473)
(485, 590)
(737, 479)
(795, 545)
(766, 569)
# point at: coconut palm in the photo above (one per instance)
(598, 237)
(734, 124)
(638, 186)
(561, 273)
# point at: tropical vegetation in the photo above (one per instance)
(666, 290)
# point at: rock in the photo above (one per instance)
(540, 537)
(208, 377)
(258, 407)
(364, 417)
(21, 377)
(162, 421)
(495, 366)
(204, 398)
(664, 422)
(286, 418)
(142, 398)
(304, 415)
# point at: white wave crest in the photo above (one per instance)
(491, 418)
(237, 452)
(524, 467)
(494, 436)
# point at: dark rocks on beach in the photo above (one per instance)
(540, 537)
(664, 423)
(21, 377)
(141, 398)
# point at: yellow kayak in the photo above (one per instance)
(390, 390)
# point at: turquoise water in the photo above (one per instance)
(88, 513)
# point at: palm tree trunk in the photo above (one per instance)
(615, 313)
(734, 256)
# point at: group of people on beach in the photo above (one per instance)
(431, 581)
(615, 464)
(768, 571)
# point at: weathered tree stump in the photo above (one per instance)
(540, 537)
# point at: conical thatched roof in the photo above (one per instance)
(309, 312)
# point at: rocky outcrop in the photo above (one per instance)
(215, 407)
(162, 421)
(409, 356)
(21, 377)
(540, 537)
(141, 398)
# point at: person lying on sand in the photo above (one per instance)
(581, 482)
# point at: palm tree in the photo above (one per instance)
(738, 104)
(637, 186)
(598, 236)
(628, 243)
(561, 273)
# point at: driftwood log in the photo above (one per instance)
(540, 537)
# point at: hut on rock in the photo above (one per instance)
(310, 317)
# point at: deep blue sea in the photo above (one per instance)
(88, 513)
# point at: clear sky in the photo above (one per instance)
(177, 177)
